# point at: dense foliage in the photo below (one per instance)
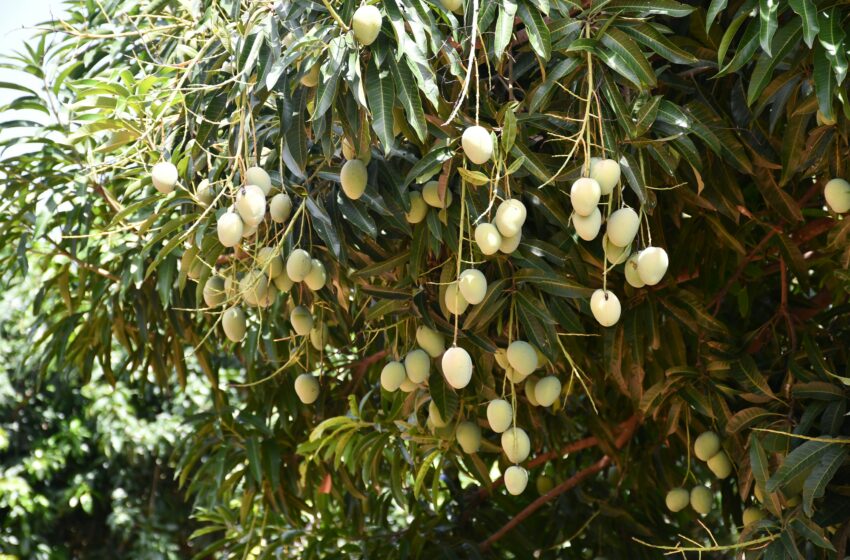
(726, 120)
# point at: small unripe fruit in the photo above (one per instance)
(283, 283)
(510, 244)
(214, 291)
(457, 367)
(606, 172)
(720, 465)
(514, 376)
(522, 356)
(677, 499)
(319, 336)
(510, 217)
(605, 307)
(191, 263)
(623, 227)
(301, 320)
(251, 204)
(584, 195)
(837, 194)
(758, 493)
(229, 228)
(516, 479)
(417, 363)
(258, 176)
(468, 435)
(547, 390)
(392, 376)
(164, 176)
(434, 416)
(587, 227)
(234, 324)
(418, 208)
(366, 24)
(231, 287)
(317, 277)
(701, 499)
(477, 144)
(614, 253)
(500, 415)
(248, 231)
(270, 262)
(353, 177)
(488, 238)
(431, 341)
(752, 515)
(706, 446)
(311, 77)
(501, 357)
(431, 195)
(348, 151)
(280, 207)
(307, 388)
(253, 287)
(544, 484)
(453, 5)
(298, 265)
(531, 390)
(516, 445)
(408, 386)
(631, 271)
(652, 265)
(269, 297)
(455, 302)
(205, 193)
(472, 285)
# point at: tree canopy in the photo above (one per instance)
(281, 200)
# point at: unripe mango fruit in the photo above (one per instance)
(837, 194)
(230, 228)
(164, 176)
(353, 178)
(477, 144)
(488, 238)
(434, 416)
(430, 340)
(516, 445)
(366, 24)
(307, 388)
(472, 285)
(701, 499)
(752, 515)
(301, 320)
(317, 277)
(280, 207)
(431, 195)
(214, 291)
(418, 208)
(457, 367)
(605, 306)
(547, 390)
(468, 435)
(392, 376)
(499, 415)
(522, 357)
(510, 217)
(652, 265)
(233, 323)
(720, 465)
(677, 499)
(516, 480)
(622, 227)
(251, 204)
(455, 302)
(706, 446)
(606, 172)
(587, 227)
(584, 195)
(298, 265)
(258, 176)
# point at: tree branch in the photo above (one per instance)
(629, 428)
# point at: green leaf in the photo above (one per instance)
(747, 45)
(783, 42)
(768, 11)
(713, 10)
(808, 13)
(626, 49)
(405, 86)
(647, 35)
(381, 96)
(798, 461)
(815, 484)
(504, 28)
(748, 417)
(831, 37)
(552, 283)
(660, 7)
(822, 75)
(817, 390)
(331, 73)
(252, 448)
(445, 398)
(538, 31)
(429, 164)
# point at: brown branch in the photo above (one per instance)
(629, 428)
